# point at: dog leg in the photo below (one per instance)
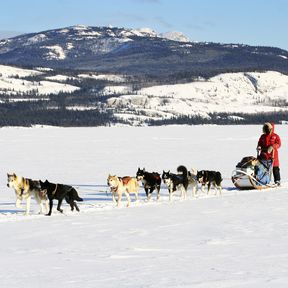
(147, 192)
(194, 191)
(119, 199)
(59, 206)
(170, 195)
(50, 207)
(220, 190)
(72, 204)
(158, 192)
(76, 206)
(150, 193)
(216, 189)
(41, 208)
(18, 203)
(128, 198)
(28, 202)
(182, 195)
(208, 190)
(46, 205)
(113, 197)
(40, 203)
(202, 188)
(137, 196)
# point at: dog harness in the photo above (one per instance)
(54, 191)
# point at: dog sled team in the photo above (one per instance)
(250, 173)
(45, 192)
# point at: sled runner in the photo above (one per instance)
(253, 173)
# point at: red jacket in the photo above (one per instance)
(265, 141)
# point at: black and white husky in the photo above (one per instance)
(176, 181)
(150, 181)
(207, 177)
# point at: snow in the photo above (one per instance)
(237, 240)
(175, 36)
(10, 71)
(120, 89)
(60, 78)
(37, 38)
(12, 84)
(144, 32)
(228, 92)
(56, 52)
(107, 77)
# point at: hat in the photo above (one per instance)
(267, 128)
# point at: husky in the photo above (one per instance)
(120, 185)
(150, 181)
(59, 192)
(206, 177)
(24, 189)
(192, 181)
(176, 181)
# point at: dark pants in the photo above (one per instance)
(276, 174)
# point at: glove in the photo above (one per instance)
(270, 149)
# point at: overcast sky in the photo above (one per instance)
(252, 22)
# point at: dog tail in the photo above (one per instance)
(77, 198)
(182, 169)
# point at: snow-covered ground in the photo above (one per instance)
(237, 240)
(229, 92)
(11, 83)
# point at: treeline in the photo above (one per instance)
(224, 119)
(36, 113)
(28, 114)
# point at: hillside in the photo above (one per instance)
(136, 52)
(53, 97)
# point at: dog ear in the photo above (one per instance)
(143, 169)
(168, 172)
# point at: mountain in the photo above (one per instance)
(136, 52)
(89, 76)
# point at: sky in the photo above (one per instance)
(252, 22)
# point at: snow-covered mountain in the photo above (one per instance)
(137, 77)
(136, 52)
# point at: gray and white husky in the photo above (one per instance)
(24, 189)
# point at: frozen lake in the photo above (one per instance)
(237, 240)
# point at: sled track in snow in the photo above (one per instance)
(97, 198)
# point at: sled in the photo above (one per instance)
(253, 173)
